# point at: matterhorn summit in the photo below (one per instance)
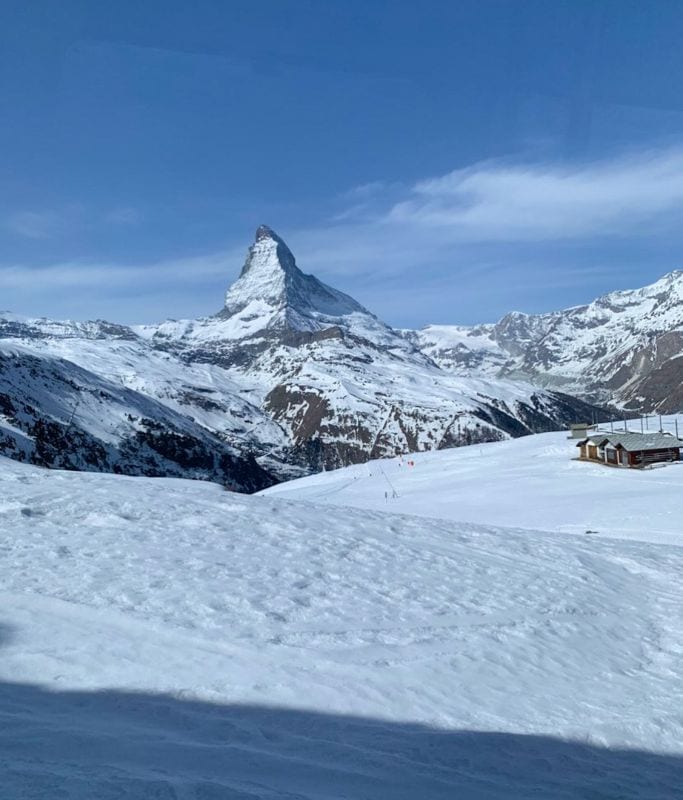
(272, 292)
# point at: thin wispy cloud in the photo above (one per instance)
(33, 224)
(128, 293)
(110, 276)
(540, 202)
(367, 201)
(496, 212)
(364, 190)
(45, 224)
(125, 215)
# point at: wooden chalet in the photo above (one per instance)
(627, 449)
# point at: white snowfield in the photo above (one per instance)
(534, 483)
(168, 639)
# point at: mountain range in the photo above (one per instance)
(293, 376)
(624, 349)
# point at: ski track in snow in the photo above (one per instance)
(168, 639)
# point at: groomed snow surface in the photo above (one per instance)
(466, 639)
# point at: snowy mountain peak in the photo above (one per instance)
(264, 232)
(268, 253)
(272, 292)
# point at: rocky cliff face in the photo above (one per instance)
(291, 376)
(624, 348)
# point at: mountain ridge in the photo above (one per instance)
(621, 348)
(290, 377)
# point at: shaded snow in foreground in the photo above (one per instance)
(169, 639)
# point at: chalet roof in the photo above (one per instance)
(633, 442)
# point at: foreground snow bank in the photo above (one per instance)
(165, 638)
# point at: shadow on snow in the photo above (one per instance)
(114, 744)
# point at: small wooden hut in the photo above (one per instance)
(626, 449)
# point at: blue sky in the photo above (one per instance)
(440, 161)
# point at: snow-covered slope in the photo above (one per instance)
(290, 377)
(625, 347)
(94, 396)
(165, 638)
(534, 482)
